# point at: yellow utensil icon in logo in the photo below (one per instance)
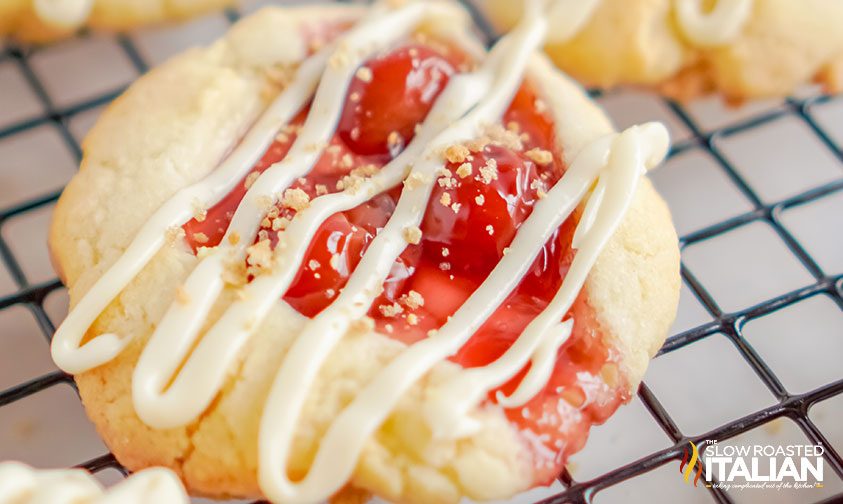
(686, 467)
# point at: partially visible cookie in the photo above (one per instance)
(686, 48)
(47, 20)
(21, 484)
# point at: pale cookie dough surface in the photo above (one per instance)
(171, 129)
(47, 20)
(783, 44)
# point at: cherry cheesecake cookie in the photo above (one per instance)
(348, 248)
(685, 48)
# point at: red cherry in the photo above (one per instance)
(483, 213)
(398, 94)
(332, 255)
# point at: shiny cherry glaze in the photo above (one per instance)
(461, 242)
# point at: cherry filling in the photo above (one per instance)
(487, 189)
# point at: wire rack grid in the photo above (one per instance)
(791, 405)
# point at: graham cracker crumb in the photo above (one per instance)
(498, 135)
(340, 58)
(199, 211)
(234, 238)
(446, 179)
(393, 140)
(457, 153)
(354, 180)
(478, 144)
(315, 147)
(234, 273)
(414, 180)
(364, 74)
(489, 171)
(250, 179)
(540, 156)
(296, 199)
(538, 186)
(412, 300)
(259, 256)
(263, 202)
(445, 199)
(412, 235)
(200, 237)
(480, 200)
(464, 170)
(390, 310)
(280, 223)
(412, 319)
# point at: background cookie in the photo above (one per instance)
(46, 20)
(778, 47)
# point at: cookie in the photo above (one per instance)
(742, 49)
(47, 20)
(21, 484)
(316, 257)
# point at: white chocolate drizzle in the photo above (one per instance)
(181, 370)
(21, 484)
(714, 28)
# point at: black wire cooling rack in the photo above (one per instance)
(789, 405)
